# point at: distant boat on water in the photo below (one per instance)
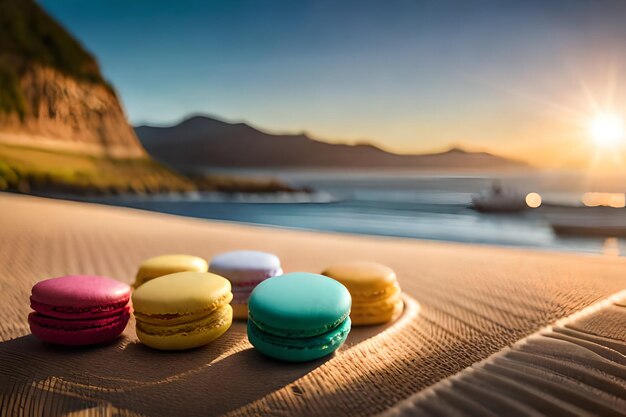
(602, 215)
(589, 228)
(503, 200)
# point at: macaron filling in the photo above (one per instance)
(374, 295)
(379, 302)
(71, 312)
(240, 297)
(244, 282)
(179, 318)
(246, 277)
(297, 333)
(328, 340)
(212, 320)
(77, 325)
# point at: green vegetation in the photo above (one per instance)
(29, 33)
(38, 171)
(29, 36)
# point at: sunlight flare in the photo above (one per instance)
(607, 130)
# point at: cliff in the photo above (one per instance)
(52, 94)
(62, 127)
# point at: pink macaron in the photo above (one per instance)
(79, 309)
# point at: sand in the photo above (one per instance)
(464, 304)
(576, 367)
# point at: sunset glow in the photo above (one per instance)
(594, 199)
(346, 71)
(607, 130)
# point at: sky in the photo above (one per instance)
(519, 78)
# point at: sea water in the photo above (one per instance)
(399, 203)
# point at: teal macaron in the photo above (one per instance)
(299, 316)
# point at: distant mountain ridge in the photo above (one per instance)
(200, 142)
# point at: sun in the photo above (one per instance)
(607, 130)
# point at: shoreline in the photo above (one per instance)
(40, 171)
(316, 211)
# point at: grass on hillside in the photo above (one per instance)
(35, 170)
(39, 171)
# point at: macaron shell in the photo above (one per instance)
(78, 332)
(244, 266)
(366, 317)
(362, 276)
(78, 292)
(299, 304)
(182, 293)
(187, 340)
(168, 264)
(298, 350)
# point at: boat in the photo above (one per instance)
(499, 200)
(589, 229)
(600, 215)
(589, 222)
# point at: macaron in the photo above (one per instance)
(183, 310)
(376, 294)
(245, 269)
(168, 264)
(299, 316)
(79, 309)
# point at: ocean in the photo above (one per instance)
(404, 204)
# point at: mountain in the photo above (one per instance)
(52, 93)
(202, 142)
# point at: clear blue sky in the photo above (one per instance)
(409, 75)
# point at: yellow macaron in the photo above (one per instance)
(376, 294)
(168, 264)
(182, 310)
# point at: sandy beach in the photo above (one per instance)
(463, 304)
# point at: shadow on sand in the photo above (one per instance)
(127, 378)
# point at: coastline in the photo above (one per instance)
(41, 171)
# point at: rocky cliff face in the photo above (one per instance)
(52, 93)
(62, 112)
